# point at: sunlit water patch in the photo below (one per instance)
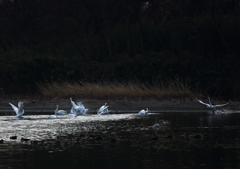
(39, 127)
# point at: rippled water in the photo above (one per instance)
(183, 140)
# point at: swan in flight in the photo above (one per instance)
(19, 111)
(103, 110)
(143, 112)
(77, 109)
(213, 107)
(57, 112)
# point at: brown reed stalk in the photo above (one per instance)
(107, 90)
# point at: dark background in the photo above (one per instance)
(119, 40)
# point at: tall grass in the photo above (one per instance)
(117, 90)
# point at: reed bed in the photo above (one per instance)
(117, 90)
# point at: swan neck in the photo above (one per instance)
(209, 101)
(20, 107)
(56, 109)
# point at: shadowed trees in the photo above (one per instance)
(151, 41)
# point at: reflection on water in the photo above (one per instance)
(183, 140)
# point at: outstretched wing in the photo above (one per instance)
(72, 102)
(222, 104)
(203, 103)
(73, 111)
(141, 112)
(14, 108)
(102, 109)
(79, 104)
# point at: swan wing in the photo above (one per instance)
(79, 104)
(105, 111)
(222, 104)
(61, 112)
(142, 112)
(73, 111)
(14, 108)
(72, 102)
(102, 108)
(203, 103)
(83, 106)
(85, 111)
(106, 107)
(82, 110)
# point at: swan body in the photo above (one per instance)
(103, 110)
(143, 112)
(77, 109)
(60, 112)
(57, 112)
(18, 110)
(212, 106)
(53, 117)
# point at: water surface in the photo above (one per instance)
(183, 140)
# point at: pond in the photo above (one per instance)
(184, 139)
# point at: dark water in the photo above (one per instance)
(184, 140)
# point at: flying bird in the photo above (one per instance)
(18, 110)
(210, 105)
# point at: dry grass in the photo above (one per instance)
(116, 90)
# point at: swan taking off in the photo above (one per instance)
(143, 112)
(103, 110)
(57, 112)
(19, 111)
(77, 109)
(213, 107)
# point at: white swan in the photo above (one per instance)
(103, 110)
(156, 125)
(19, 111)
(143, 112)
(57, 112)
(78, 109)
(213, 107)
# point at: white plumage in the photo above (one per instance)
(103, 110)
(143, 112)
(57, 112)
(19, 111)
(156, 124)
(78, 109)
(213, 107)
